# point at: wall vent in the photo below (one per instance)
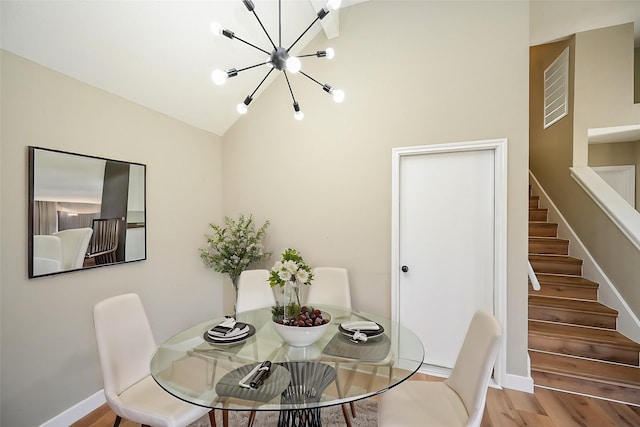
(556, 89)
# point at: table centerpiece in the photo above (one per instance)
(296, 324)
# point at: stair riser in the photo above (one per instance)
(543, 229)
(593, 350)
(572, 317)
(538, 215)
(593, 388)
(552, 267)
(533, 202)
(560, 247)
(561, 291)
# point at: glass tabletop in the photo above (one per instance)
(331, 371)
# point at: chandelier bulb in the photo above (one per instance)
(219, 77)
(298, 115)
(244, 106)
(268, 62)
(216, 28)
(334, 4)
(330, 53)
(293, 64)
(338, 95)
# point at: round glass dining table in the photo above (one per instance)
(334, 370)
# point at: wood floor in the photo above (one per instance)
(505, 408)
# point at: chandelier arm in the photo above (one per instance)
(303, 33)
(310, 78)
(289, 84)
(263, 80)
(252, 45)
(309, 54)
(263, 28)
(250, 67)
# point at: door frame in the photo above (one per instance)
(499, 149)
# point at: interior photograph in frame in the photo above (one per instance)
(84, 212)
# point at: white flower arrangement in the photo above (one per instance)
(231, 249)
(290, 272)
(290, 269)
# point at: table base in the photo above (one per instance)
(300, 418)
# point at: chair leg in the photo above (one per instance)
(345, 413)
(252, 417)
(225, 418)
(116, 423)
(353, 409)
(212, 418)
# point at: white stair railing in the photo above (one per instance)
(532, 277)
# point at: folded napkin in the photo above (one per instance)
(228, 329)
(360, 325)
(256, 376)
(225, 326)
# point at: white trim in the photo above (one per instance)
(499, 147)
(623, 215)
(77, 411)
(518, 382)
(628, 323)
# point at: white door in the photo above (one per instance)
(446, 245)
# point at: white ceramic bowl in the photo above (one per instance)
(302, 336)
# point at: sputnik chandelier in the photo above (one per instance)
(278, 58)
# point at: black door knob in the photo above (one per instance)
(404, 268)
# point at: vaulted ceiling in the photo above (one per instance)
(160, 54)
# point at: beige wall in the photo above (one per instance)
(613, 154)
(49, 357)
(414, 73)
(553, 151)
(603, 84)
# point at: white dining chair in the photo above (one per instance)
(125, 347)
(75, 242)
(254, 290)
(460, 399)
(330, 285)
(47, 254)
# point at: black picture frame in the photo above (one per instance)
(84, 211)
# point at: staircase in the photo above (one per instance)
(573, 342)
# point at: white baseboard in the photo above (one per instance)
(518, 382)
(77, 411)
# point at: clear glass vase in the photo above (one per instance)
(291, 300)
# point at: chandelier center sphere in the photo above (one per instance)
(279, 58)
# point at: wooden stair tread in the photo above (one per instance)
(554, 258)
(609, 337)
(572, 305)
(566, 280)
(609, 373)
(547, 240)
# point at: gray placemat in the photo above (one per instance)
(273, 386)
(373, 350)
